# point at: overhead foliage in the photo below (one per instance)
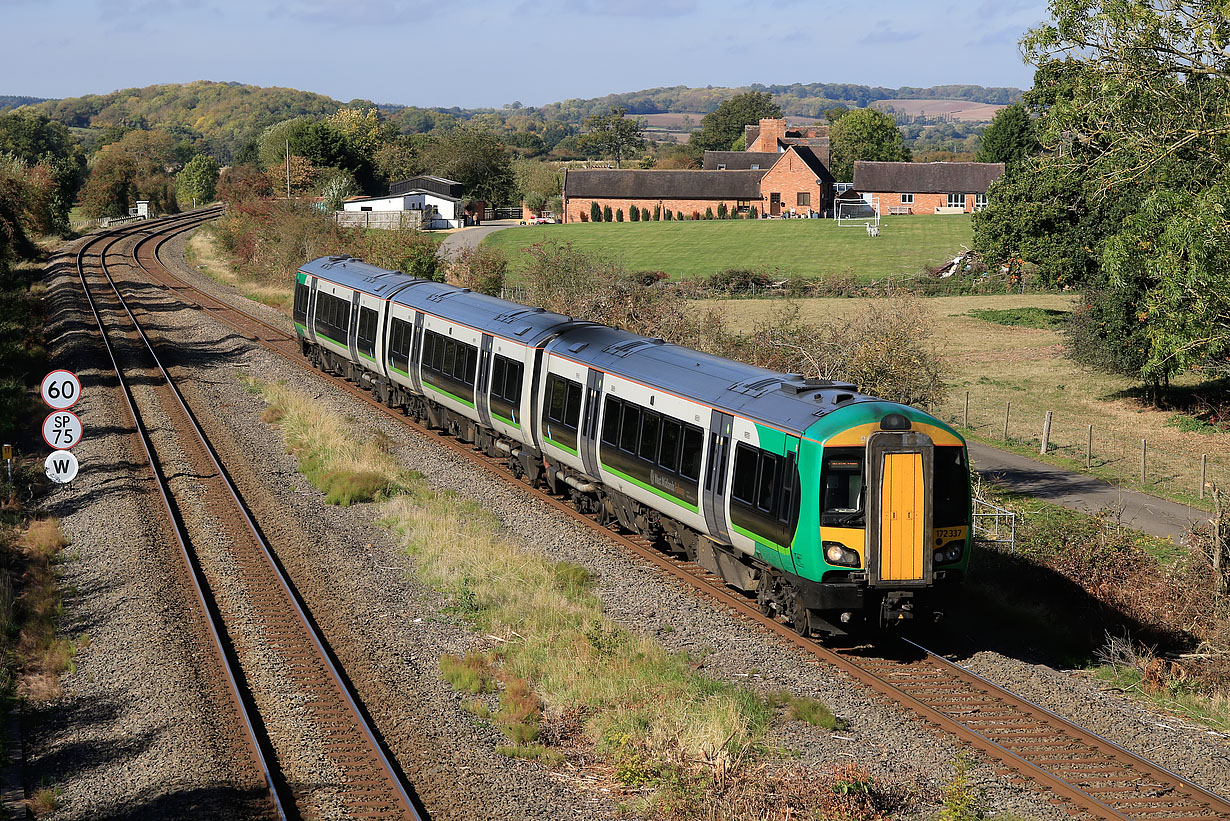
(612, 135)
(864, 134)
(723, 126)
(1010, 138)
(198, 180)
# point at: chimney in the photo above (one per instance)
(770, 132)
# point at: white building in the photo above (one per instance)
(440, 210)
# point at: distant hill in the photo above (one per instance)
(9, 102)
(219, 117)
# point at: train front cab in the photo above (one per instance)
(894, 514)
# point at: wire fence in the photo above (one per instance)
(1159, 465)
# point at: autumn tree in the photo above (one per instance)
(720, 128)
(1010, 138)
(110, 188)
(197, 182)
(475, 158)
(864, 134)
(243, 183)
(612, 134)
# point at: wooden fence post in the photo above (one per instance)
(1046, 432)
(1089, 450)
(965, 424)
(1204, 472)
(1144, 451)
(1007, 413)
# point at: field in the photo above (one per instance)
(958, 109)
(1026, 366)
(812, 248)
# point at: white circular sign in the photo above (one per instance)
(61, 389)
(61, 467)
(62, 429)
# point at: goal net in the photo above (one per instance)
(858, 213)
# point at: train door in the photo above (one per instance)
(714, 498)
(353, 331)
(482, 381)
(900, 473)
(588, 443)
(416, 350)
(310, 332)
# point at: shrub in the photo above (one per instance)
(595, 213)
(471, 674)
(482, 269)
(708, 213)
(634, 214)
(657, 213)
(721, 212)
(606, 213)
(644, 215)
(753, 212)
(584, 217)
(696, 215)
(619, 215)
(668, 215)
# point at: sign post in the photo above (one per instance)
(62, 428)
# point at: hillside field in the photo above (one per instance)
(811, 248)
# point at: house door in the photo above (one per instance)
(775, 204)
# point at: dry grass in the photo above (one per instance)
(1026, 366)
(44, 802)
(567, 677)
(204, 254)
(43, 654)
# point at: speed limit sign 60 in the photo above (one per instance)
(61, 429)
(60, 389)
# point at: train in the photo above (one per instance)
(836, 510)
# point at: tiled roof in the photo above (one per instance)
(740, 160)
(699, 185)
(926, 177)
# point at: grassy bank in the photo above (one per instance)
(205, 255)
(811, 248)
(563, 679)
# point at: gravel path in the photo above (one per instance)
(389, 632)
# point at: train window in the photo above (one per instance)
(630, 429)
(301, 299)
(450, 357)
(499, 372)
(841, 487)
(766, 482)
(557, 397)
(649, 436)
(951, 487)
(669, 456)
(572, 412)
(467, 363)
(743, 485)
(516, 375)
(789, 506)
(366, 333)
(610, 421)
(693, 444)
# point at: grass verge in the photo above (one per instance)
(205, 255)
(562, 677)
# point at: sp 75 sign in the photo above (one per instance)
(61, 429)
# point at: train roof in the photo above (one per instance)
(489, 314)
(359, 275)
(785, 401)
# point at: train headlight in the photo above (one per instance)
(838, 554)
(950, 553)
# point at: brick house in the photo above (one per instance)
(926, 188)
(774, 136)
(794, 180)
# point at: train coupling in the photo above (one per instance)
(897, 607)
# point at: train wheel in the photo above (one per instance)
(801, 618)
(764, 593)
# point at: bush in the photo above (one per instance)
(482, 269)
(668, 215)
(619, 215)
(634, 214)
(644, 215)
(606, 213)
(721, 212)
(754, 212)
(696, 215)
(657, 213)
(708, 213)
(595, 213)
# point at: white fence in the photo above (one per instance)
(385, 220)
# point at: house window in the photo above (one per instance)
(980, 201)
(956, 200)
(803, 198)
(365, 208)
(721, 166)
(755, 166)
(907, 199)
(743, 206)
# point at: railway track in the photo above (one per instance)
(306, 732)
(1091, 776)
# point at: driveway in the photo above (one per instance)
(471, 237)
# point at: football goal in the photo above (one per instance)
(858, 213)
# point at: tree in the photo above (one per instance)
(537, 182)
(109, 190)
(606, 213)
(720, 128)
(397, 160)
(475, 158)
(836, 113)
(243, 183)
(595, 212)
(657, 213)
(619, 215)
(612, 134)
(1010, 137)
(644, 215)
(634, 214)
(864, 134)
(198, 180)
(362, 128)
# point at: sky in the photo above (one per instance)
(480, 53)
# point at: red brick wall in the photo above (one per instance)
(770, 132)
(923, 203)
(789, 177)
(575, 207)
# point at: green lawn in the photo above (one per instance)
(806, 247)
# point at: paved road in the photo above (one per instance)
(1139, 511)
(471, 237)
